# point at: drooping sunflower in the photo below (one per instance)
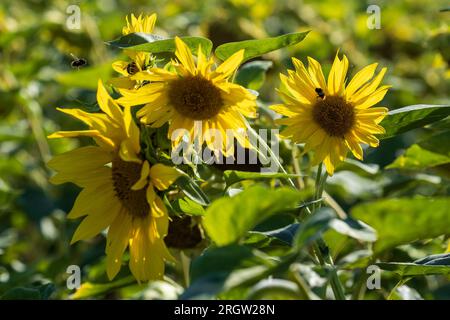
(331, 117)
(118, 189)
(192, 93)
(139, 60)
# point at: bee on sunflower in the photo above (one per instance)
(191, 93)
(139, 60)
(118, 189)
(331, 117)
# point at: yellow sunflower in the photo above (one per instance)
(139, 60)
(331, 117)
(118, 189)
(192, 94)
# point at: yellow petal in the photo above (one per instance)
(120, 67)
(80, 159)
(163, 176)
(107, 104)
(315, 71)
(71, 134)
(336, 78)
(146, 251)
(143, 179)
(118, 237)
(97, 221)
(228, 67)
(360, 78)
(184, 55)
(86, 201)
(158, 208)
(132, 130)
(354, 147)
(368, 88)
(150, 194)
(127, 152)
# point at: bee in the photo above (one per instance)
(320, 93)
(77, 62)
(132, 68)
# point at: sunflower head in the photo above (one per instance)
(119, 189)
(331, 117)
(144, 24)
(140, 61)
(192, 91)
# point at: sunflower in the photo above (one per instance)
(139, 60)
(331, 117)
(118, 189)
(192, 94)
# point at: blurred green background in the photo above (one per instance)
(36, 77)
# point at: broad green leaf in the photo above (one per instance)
(435, 143)
(417, 158)
(86, 78)
(21, 293)
(354, 229)
(404, 220)
(285, 234)
(157, 44)
(89, 289)
(192, 190)
(432, 265)
(41, 292)
(412, 117)
(188, 206)
(256, 48)
(312, 227)
(221, 269)
(233, 176)
(253, 74)
(275, 289)
(228, 219)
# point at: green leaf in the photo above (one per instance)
(89, 289)
(21, 293)
(232, 176)
(313, 226)
(157, 44)
(224, 268)
(188, 206)
(41, 292)
(434, 143)
(417, 158)
(256, 48)
(192, 190)
(432, 265)
(228, 219)
(354, 229)
(412, 117)
(275, 289)
(404, 220)
(253, 74)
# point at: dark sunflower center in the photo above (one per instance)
(195, 97)
(183, 233)
(334, 115)
(124, 176)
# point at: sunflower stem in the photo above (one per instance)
(185, 263)
(320, 247)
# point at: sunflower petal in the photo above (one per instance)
(163, 176)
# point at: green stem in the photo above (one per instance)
(320, 247)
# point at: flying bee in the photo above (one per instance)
(320, 93)
(132, 68)
(77, 62)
